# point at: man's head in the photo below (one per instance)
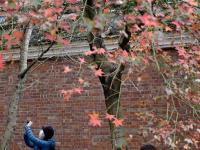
(148, 147)
(46, 133)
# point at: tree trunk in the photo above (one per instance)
(14, 103)
(111, 82)
(112, 90)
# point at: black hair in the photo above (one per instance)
(148, 147)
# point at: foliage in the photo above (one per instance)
(54, 19)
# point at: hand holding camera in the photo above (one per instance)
(29, 123)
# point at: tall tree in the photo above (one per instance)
(14, 102)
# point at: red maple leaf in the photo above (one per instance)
(106, 10)
(64, 25)
(110, 117)
(82, 60)
(66, 94)
(6, 36)
(100, 51)
(87, 53)
(50, 37)
(67, 69)
(18, 35)
(94, 119)
(63, 41)
(72, 1)
(182, 52)
(125, 54)
(81, 80)
(78, 90)
(49, 12)
(148, 20)
(99, 72)
(117, 122)
(58, 3)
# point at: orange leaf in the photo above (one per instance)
(82, 60)
(18, 35)
(106, 10)
(6, 36)
(87, 53)
(118, 122)
(81, 80)
(78, 90)
(50, 37)
(110, 117)
(94, 119)
(99, 73)
(100, 51)
(66, 94)
(58, 3)
(49, 12)
(65, 26)
(63, 41)
(67, 69)
(148, 20)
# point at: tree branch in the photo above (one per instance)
(22, 74)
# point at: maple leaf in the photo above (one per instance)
(182, 52)
(168, 28)
(94, 119)
(82, 60)
(117, 122)
(82, 29)
(18, 35)
(87, 53)
(67, 69)
(148, 20)
(1, 62)
(110, 117)
(66, 94)
(99, 72)
(58, 3)
(50, 37)
(81, 81)
(6, 36)
(64, 25)
(125, 54)
(78, 90)
(106, 10)
(100, 51)
(63, 41)
(49, 12)
(72, 1)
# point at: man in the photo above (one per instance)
(45, 140)
(148, 147)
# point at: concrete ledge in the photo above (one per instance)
(163, 41)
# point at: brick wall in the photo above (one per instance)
(43, 104)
